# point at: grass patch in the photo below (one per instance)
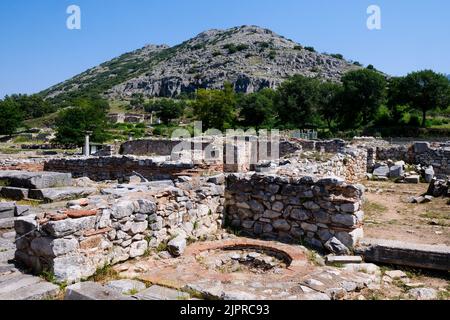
(161, 247)
(105, 273)
(373, 208)
(438, 218)
(132, 292)
(29, 202)
(9, 151)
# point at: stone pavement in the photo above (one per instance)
(201, 271)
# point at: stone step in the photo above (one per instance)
(35, 180)
(16, 281)
(36, 291)
(92, 291)
(156, 292)
(343, 259)
(60, 194)
(435, 257)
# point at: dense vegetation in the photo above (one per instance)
(364, 102)
(87, 115)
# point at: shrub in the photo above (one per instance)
(310, 49)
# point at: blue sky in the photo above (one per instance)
(37, 50)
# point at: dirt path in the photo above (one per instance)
(389, 215)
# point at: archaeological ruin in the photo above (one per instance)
(148, 209)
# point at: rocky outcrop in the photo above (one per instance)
(250, 57)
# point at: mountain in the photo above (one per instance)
(250, 57)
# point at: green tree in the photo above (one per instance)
(424, 91)
(32, 106)
(330, 102)
(11, 117)
(137, 101)
(257, 109)
(87, 115)
(364, 93)
(216, 108)
(297, 101)
(166, 109)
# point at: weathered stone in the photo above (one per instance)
(123, 209)
(156, 292)
(126, 286)
(348, 220)
(309, 227)
(405, 254)
(146, 206)
(119, 254)
(298, 214)
(35, 180)
(382, 171)
(13, 193)
(60, 194)
(414, 179)
(177, 246)
(278, 206)
(421, 147)
(396, 172)
(140, 217)
(271, 214)
(67, 227)
(24, 225)
(281, 225)
(423, 293)
(310, 205)
(53, 247)
(350, 207)
(395, 274)
(256, 206)
(138, 227)
(324, 234)
(248, 224)
(343, 259)
(218, 179)
(336, 246)
(7, 210)
(429, 174)
(92, 291)
(105, 219)
(72, 268)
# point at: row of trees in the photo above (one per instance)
(303, 102)
(364, 98)
(16, 108)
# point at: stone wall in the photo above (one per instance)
(75, 243)
(113, 168)
(439, 158)
(160, 147)
(419, 153)
(295, 209)
(397, 153)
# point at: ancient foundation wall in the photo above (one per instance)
(419, 153)
(160, 147)
(112, 168)
(74, 244)
(295, 209)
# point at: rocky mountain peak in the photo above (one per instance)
(250, 57)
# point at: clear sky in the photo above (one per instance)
(37, 50)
